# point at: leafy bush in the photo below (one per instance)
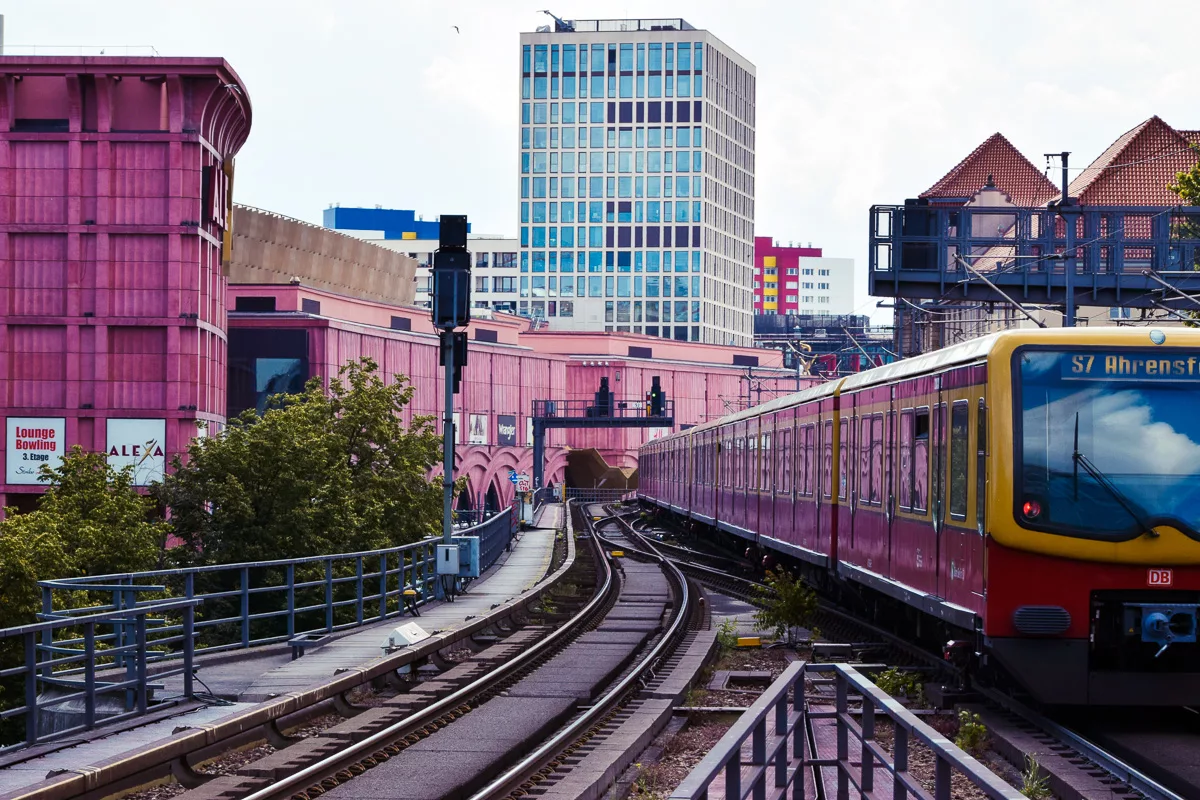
(898, 683)
(318, 472)
(787, 603)
(90, 521)
(972, 733)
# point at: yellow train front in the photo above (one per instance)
(1034, 494)
(1093, 551)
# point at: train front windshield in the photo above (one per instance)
(1108, 441)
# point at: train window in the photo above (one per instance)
(800, 465)
(843, 459)
(906, 459)
(766, 462)
(810, 460)
(783, 485)
(980, 465)
(888, 491)
(827, 458)
(959, 457)
(752, 462)
(864, 461)
(743, 459)
(876, 458)
(920, 461)
(937, 495)
(801, 459)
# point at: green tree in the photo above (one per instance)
(1187, 186)
(90, 521)
(319, 472)
(786, 604)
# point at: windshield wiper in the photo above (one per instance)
(1080, 460)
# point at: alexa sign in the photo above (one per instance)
(140, 443)
(32, 442)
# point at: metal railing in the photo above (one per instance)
(67, 683)
(598, 495)
(495, 535)
(615, 408)
(107, 636)
(784, 746)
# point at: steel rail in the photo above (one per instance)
(315, 773)
(511, 780)
(1123, 772)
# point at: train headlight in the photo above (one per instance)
(1032, 509)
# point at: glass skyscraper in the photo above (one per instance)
(636, 180)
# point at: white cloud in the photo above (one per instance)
(859, 103)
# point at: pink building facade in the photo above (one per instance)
(119, 331)
(114, 199)
(295, 332)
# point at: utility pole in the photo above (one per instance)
(451, 309)
(1069, 251)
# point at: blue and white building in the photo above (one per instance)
(636, 184)
(493, 257)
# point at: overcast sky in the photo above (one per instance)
(366, 103)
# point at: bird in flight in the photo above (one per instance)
(456, 30)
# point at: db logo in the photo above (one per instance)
(1158, 577)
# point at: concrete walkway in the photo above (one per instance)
(259, 676)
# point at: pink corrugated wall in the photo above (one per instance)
(115, 303)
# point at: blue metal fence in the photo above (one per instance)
(597, 495)
(94, 661)
(96, 655)
(780, 758)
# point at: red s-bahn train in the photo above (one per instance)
(1035, 493)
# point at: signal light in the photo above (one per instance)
(1032, 509)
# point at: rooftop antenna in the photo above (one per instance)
(561, 25)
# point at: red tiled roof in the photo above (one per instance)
(1136, 169)
(1011, 172)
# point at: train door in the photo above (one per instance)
(939, 492)
(962, 533)
(890, 470)
(847, 464)
(737, 467)
(827, 511)
(753, 472)
(767, 448)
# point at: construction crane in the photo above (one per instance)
(561, 25)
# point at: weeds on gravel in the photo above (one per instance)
(727, 634)
(647, 786)
(972, 733)
(1034, 783)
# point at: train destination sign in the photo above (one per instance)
(1157, 366)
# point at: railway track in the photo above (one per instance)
(551, 762)
(270, 722)
(1088, 752)
(522, 725)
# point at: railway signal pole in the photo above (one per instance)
(1068, 214)
(451, 309)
